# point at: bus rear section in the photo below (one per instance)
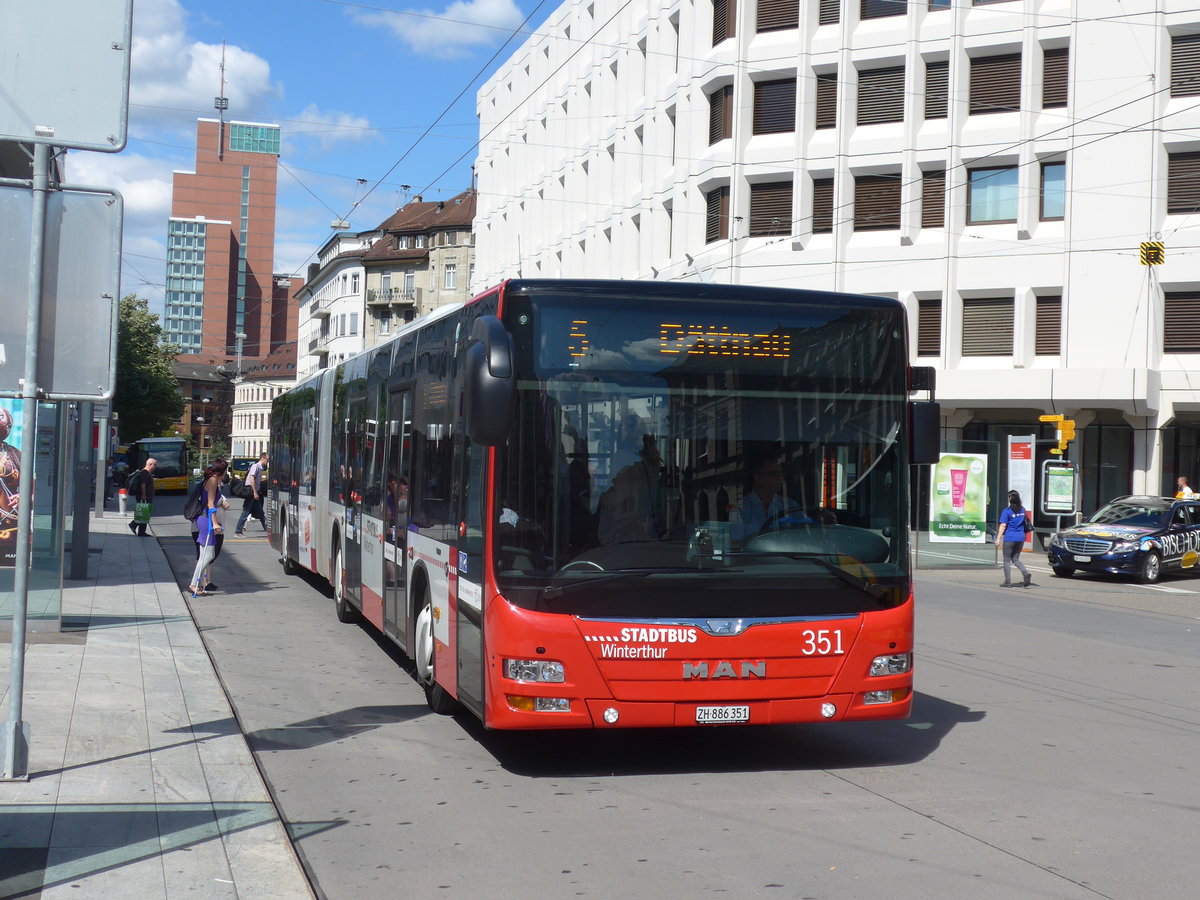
(170, 474)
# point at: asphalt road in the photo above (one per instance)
(1051, 753)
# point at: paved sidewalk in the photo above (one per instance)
(141, 783)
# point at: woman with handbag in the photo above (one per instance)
(1010, 538)
(208, 526)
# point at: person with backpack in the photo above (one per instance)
(208, 526)
(196, 505)
(1010, 538)
(253, 504)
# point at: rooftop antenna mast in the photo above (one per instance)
(221, 103)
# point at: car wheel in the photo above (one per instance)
(1151, 568)
(1063, 571)
(346, 612)
(435, 695)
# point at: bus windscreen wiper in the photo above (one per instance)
(554, 591)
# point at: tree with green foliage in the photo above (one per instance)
(147, 398)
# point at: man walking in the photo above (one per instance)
(140, 486)
(253, 504)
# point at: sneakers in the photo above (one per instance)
(238, 533)
(1006, 584)
(1028, 578)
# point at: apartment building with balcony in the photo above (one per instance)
(424, 258)
(995, 165)
(332, 302)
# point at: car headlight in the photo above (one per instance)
(1124, 546)
(1057, 540)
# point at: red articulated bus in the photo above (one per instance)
(580, 504)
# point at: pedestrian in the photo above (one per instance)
(208, 526)
(222, 505)
(140, 486)
(253, 504)
(109, 480)
(1010, 538)
(1183, 489)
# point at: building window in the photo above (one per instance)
(876, 202)
(449, 276)
(402, 242)
(1183, 183)
(724, 16)
(939, 4)
(420, 240)
(992, 195)
(929, 326)
(1181, 322)
(354, 283)
(827, 100)
(987, 327)
(385, 322)
(877, 9)
(1054, 78)
(354, 323)
(822, 214)
(1185, 65)
(776, 15)
(881, 95)
(1054, 190)
(410, 281)
(717, 218)
(1047, 339)
(933, 199)
(775, 106)
(937, 89)
(720, 114)
(827, 12)
(770, 209)
(995, 84)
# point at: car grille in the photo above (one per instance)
(1087, 545)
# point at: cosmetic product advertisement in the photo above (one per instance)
(958, 499)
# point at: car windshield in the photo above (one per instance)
(1133, 513)
(763, 475)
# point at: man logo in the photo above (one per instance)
(724, 669)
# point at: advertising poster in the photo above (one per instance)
(10, 477)
(958, 499)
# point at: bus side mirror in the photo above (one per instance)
(924, 432)
(490, 382)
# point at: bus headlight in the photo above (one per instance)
(892, 664)
(539, 670)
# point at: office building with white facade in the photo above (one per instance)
(996, 165)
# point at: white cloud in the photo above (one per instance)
(173, 77)
(328, 127)
(451, 33)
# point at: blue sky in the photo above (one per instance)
(354, 86)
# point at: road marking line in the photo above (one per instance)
(1166, 590)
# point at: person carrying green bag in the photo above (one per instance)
(140, 486)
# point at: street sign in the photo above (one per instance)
(64, 67)
(80, 289)
(1152, 253)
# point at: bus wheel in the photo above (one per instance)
(345, 611)
(435, 695)
(1151, 568)
(289, 565)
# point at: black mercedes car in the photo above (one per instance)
(1139, 536)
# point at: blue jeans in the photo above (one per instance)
(254, 508)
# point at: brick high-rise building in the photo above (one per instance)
(221, 249)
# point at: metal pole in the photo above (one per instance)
(79, 494)
(103, 452)
(16, 734)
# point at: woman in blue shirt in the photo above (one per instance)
(1010, 538)
(207, 526)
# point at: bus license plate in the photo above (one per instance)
(722, 715)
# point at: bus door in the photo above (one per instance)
(395, 527)
(470, 462)
(351, 490)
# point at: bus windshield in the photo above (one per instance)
(743, 460)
